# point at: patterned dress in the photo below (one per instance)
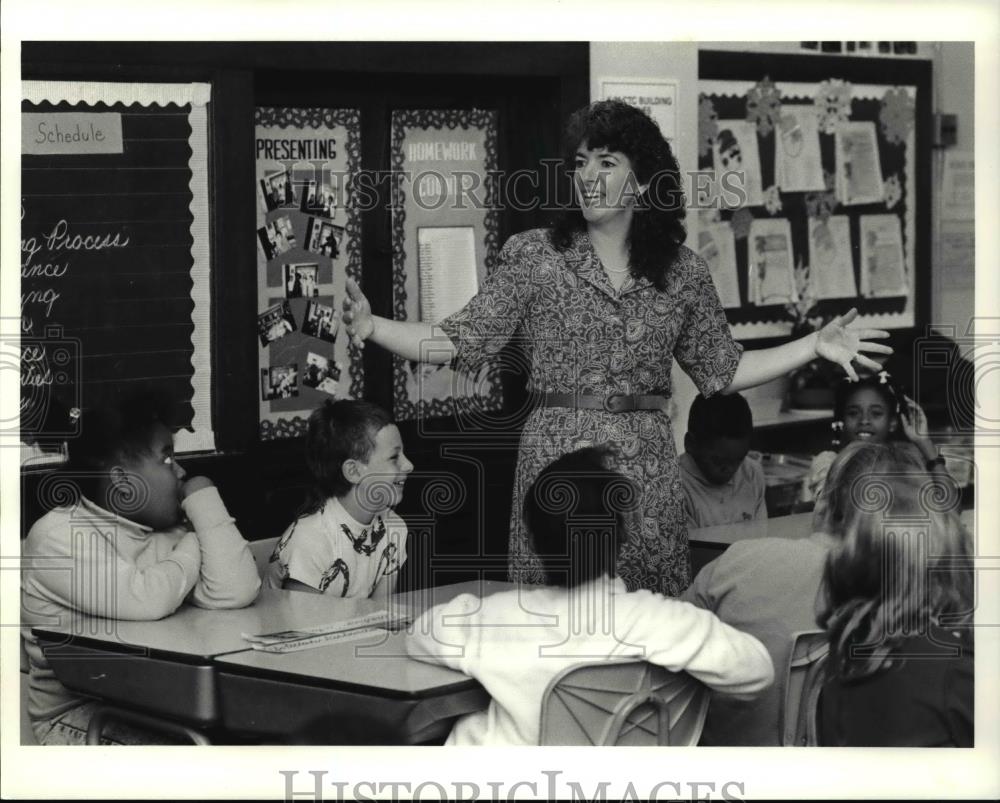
(583, 336)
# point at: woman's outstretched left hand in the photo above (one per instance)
(842, 345)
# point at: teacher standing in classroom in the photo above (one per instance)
(604, 302)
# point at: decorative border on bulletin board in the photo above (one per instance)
(892, 94)
(200, 434)
(404, 407)
(295, 426)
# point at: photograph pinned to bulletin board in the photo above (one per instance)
(444, 243)
(308, 243)
(813, 179)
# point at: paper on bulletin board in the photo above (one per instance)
(446, 257)
(831, 269)
(957, 256)
(883, 271)
(958, 186)
(736, 159)
(859, 170)
(308, 243)
(797, 163)
(658, 98)
(770, 262)
(717, 246)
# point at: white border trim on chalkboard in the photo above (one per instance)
(91, 92)
(201, 436)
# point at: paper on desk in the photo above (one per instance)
(378, 619)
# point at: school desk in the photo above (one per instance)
(707, 543)
(172, 667)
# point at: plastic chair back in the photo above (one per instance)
(803, 683)
(623, 703)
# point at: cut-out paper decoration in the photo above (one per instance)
(797, 163)
(770, 263)
(737, 164)
(764, 106)
(896, 116)
(883, 270)
(741, 223)
(833, 104)
(717, 246)
(823, 204)
(799, 311)
(772, 200)
(708, 126)
(831, 267)
(892, 190)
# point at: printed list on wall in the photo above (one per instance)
(106, 258)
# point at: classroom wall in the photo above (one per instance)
(954, 90)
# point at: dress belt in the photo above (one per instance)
(612, 403)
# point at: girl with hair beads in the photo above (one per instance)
(140, 539)
(871, 410)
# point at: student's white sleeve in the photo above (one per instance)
(680, 636)
(228, 576)
(307, 554)
(443, 634)
(80, 568)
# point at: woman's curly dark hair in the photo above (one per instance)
(658, 224)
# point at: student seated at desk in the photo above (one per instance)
(139, 540)
(898, 606)
(506, 643)
(721, 483)
(351, 543)
(769, 587)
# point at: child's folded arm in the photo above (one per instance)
(100, 583)
(228, 576)
(441, 635)
(698, 642)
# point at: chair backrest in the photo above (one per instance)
(803, 682)
(261, 551)
(622, 702)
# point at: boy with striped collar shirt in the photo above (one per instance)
(351, 543)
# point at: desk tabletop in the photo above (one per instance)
(798, 525)
(200, 633)
(378, 662)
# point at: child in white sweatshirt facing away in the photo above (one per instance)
(514, 642)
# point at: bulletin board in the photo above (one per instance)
(308, 242)
(815, 188)
(444, 234)
(115, 250)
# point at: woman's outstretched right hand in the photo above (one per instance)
(357, 315)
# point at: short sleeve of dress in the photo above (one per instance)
(483, 326)
(705, 348)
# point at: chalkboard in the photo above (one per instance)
(108, 286)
